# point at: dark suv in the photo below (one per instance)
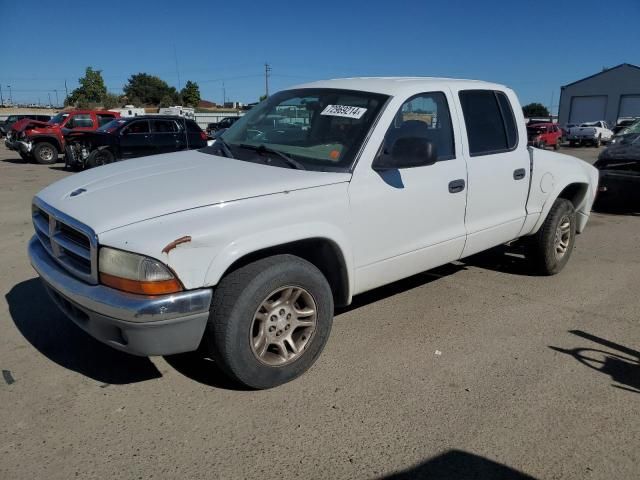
(11, 119)
(225, 123)
(132, 137)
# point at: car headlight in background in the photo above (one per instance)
(135, 273)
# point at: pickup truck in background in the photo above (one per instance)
(44, 141)
(593, 133)
(241, 250)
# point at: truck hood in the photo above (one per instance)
(131, 191)
(28, 124)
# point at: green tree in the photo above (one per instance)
(190, 94)
(149, 89)
(92, 89)
(263, 97)
(535, 110)
(111, 100)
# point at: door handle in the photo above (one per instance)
(456, 186)
(519, 174)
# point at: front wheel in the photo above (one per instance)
(270, 321)
(597, 142)
(551, 247)
(45, 153)
(99, 157)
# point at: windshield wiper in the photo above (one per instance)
(263, 148)
(225, 147)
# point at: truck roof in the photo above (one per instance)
(401, 85)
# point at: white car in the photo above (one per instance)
(594, 133)
(244, 248)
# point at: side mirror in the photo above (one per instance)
(407, 152)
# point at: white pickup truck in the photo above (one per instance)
(594, 133)
(242, 249)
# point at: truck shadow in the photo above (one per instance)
(505, 259)
(620, 363)
(56, 337)
(459, 465)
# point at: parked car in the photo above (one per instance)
(132, 137)
(619, 166)
(629, 129)
(11, 119)
(594, 133)
(623, 123)
(541, 135)
(243, 249)
(225, 123)
(43, 141)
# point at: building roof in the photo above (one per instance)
(602, 72)
(399, 85)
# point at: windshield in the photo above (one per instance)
(322, 129)
(111, 126)
(635, 128)
(536, 130)
(59, 118)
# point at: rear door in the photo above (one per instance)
(498, 168)
(134, 140)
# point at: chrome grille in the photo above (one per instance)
(72, 244)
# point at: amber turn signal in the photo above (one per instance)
(160, 287)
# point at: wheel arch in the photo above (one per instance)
(52, 140)
(325, 253)
(578, 193)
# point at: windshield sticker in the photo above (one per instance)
(344, 111)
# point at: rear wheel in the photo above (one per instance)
(598, 142)
(99, 157)
(551, 247)
(270, 321)
(45, 153)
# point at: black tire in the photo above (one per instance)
(542, 245)
(99, 157)
(45, 153)
(597, 142)
(542, 145)
(556, 145)
(236, 300)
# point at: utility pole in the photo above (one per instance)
(49, 99)
(66, 92)
(57, 103)
(224, 95)
(175, 56)
(1, 99)
(10, 96)
(267, 71)
(551, 104)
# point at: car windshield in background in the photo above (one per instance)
(111, 126)
(634, 128)
(320, 129)
(58, 119)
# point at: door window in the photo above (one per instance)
(163, 126)
(141, 126)
(81, 120)
(425, 115)
(490, 122)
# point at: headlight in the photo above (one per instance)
(135, 273)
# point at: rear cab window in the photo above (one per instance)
(490, 122)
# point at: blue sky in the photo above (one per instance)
(532, 46)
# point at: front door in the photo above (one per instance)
(134, 140)
(405, 221)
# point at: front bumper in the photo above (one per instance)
(136, 324)
(18, 145)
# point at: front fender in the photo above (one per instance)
(221, 234)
